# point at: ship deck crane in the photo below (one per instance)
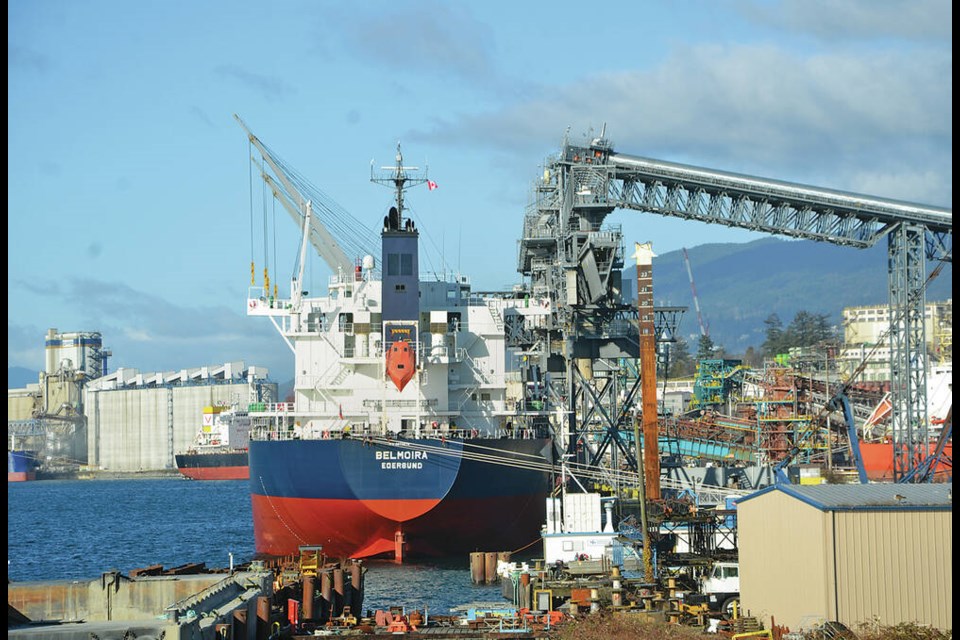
(295, 202)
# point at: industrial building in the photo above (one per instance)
(865, 337)
(45, 419)
(79, 418)
(139, 421)
(853, 554)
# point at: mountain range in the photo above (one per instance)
(739, 285)
(20, 377)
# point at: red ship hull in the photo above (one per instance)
(878, 460)
(349, 528)
(217, 473)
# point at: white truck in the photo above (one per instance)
(720, 589)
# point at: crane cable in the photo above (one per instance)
(253, 278)
(266, 240)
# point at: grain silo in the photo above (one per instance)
(139, 421)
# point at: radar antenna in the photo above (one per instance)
(397, 177)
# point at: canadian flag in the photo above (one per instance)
(431, 185)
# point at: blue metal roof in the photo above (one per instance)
(867, 497)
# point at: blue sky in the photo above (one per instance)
(128, 178)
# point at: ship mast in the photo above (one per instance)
(398, 179)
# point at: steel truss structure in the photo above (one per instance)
(575, 260)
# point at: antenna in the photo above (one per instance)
(398, 179)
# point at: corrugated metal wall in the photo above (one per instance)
(782, 544)
(20, 404)
(804, 566)
(895, 566)
(142, 429)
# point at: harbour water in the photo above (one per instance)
(78, 529)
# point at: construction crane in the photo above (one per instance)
(704, 328)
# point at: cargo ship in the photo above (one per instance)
(219, 451)
(400, 440)
(21, 465)
(878, 452)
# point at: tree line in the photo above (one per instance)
(806, 330)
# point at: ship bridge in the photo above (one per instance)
(572, 257)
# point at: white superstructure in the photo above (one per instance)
(340, 381)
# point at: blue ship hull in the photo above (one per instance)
(359, 498)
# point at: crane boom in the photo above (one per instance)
(704, 329)
(327, 247)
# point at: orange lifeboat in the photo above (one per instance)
(401, 366)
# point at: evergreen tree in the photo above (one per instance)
(681, 363)
(807, 329)
(774, 343)
(752, 358)
(706, 350)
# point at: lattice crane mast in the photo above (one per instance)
(704, 327)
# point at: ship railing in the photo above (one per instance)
(350, 431)
(270, 407)
(257, 298)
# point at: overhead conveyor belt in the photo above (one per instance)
(762, 204)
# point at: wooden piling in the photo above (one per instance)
(356, 585)
(477, 573)
(308, 595)
(326, 595)
(338, 592)
(490, 567)
(263, 618)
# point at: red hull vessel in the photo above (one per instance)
(217, 473)
(878, 460)
(232, 465)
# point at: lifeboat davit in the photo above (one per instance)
(400, 363)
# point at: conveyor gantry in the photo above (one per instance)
(568, 252)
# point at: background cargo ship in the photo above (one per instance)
(400, 437)
(21, 465)
(220, 449)
(877, 449)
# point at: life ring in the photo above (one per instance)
(253, 304)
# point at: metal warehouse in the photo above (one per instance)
(848, 553)
(139, 421)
